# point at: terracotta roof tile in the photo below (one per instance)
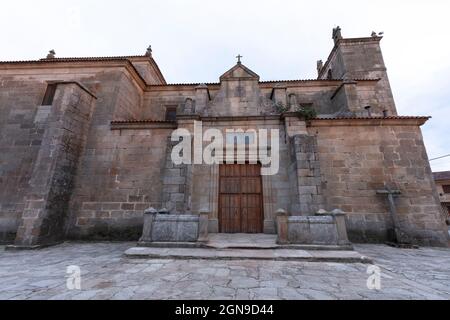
(373, 118)
(141, 121)
(319, 118)
(263, 82)
(73, 59)
(127, 58)
(444, 175)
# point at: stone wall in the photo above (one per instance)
(147, 70)
(156, 100)
(362, 58)
(120, 176)
(359, 158)
(128, 104)
(22, 124)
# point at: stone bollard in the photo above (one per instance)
(149, 216)
(282, 226)
(203, 226)
(339, 217)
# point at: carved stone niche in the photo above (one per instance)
(188, 107)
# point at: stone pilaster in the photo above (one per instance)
(308, 174)
(201, 98)
(307, 197)
(175, 197)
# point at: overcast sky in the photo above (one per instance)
(196, 41)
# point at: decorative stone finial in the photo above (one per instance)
(239, 58)
(337, 35)
(376, 35)
(319, 66)
(51, 54)
(149, 51)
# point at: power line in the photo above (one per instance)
(448, 155)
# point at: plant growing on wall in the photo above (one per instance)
(281, 108)
(306, 112)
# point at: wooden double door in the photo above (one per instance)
(240, 199)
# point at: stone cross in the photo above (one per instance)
(390, 195)
(239, 58)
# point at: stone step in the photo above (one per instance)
(220, 246)
(247, 254)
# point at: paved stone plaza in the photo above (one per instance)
(107, 274)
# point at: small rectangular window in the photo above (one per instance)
(446, 188)
(171, 113)
(49, 95)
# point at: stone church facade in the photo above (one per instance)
(85, 149)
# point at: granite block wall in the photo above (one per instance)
(356, 161)
(22, 125)
(120, 177)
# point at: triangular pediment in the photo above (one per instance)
(239, 71)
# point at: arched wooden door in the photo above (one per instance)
(240, 199)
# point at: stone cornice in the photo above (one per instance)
(317, 122)
(142, 125)
(366, 121)
(228, 118)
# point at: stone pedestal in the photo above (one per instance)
(322, 229)
(339, 217)
(175, 228)
(282, 226)
(149, 217)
